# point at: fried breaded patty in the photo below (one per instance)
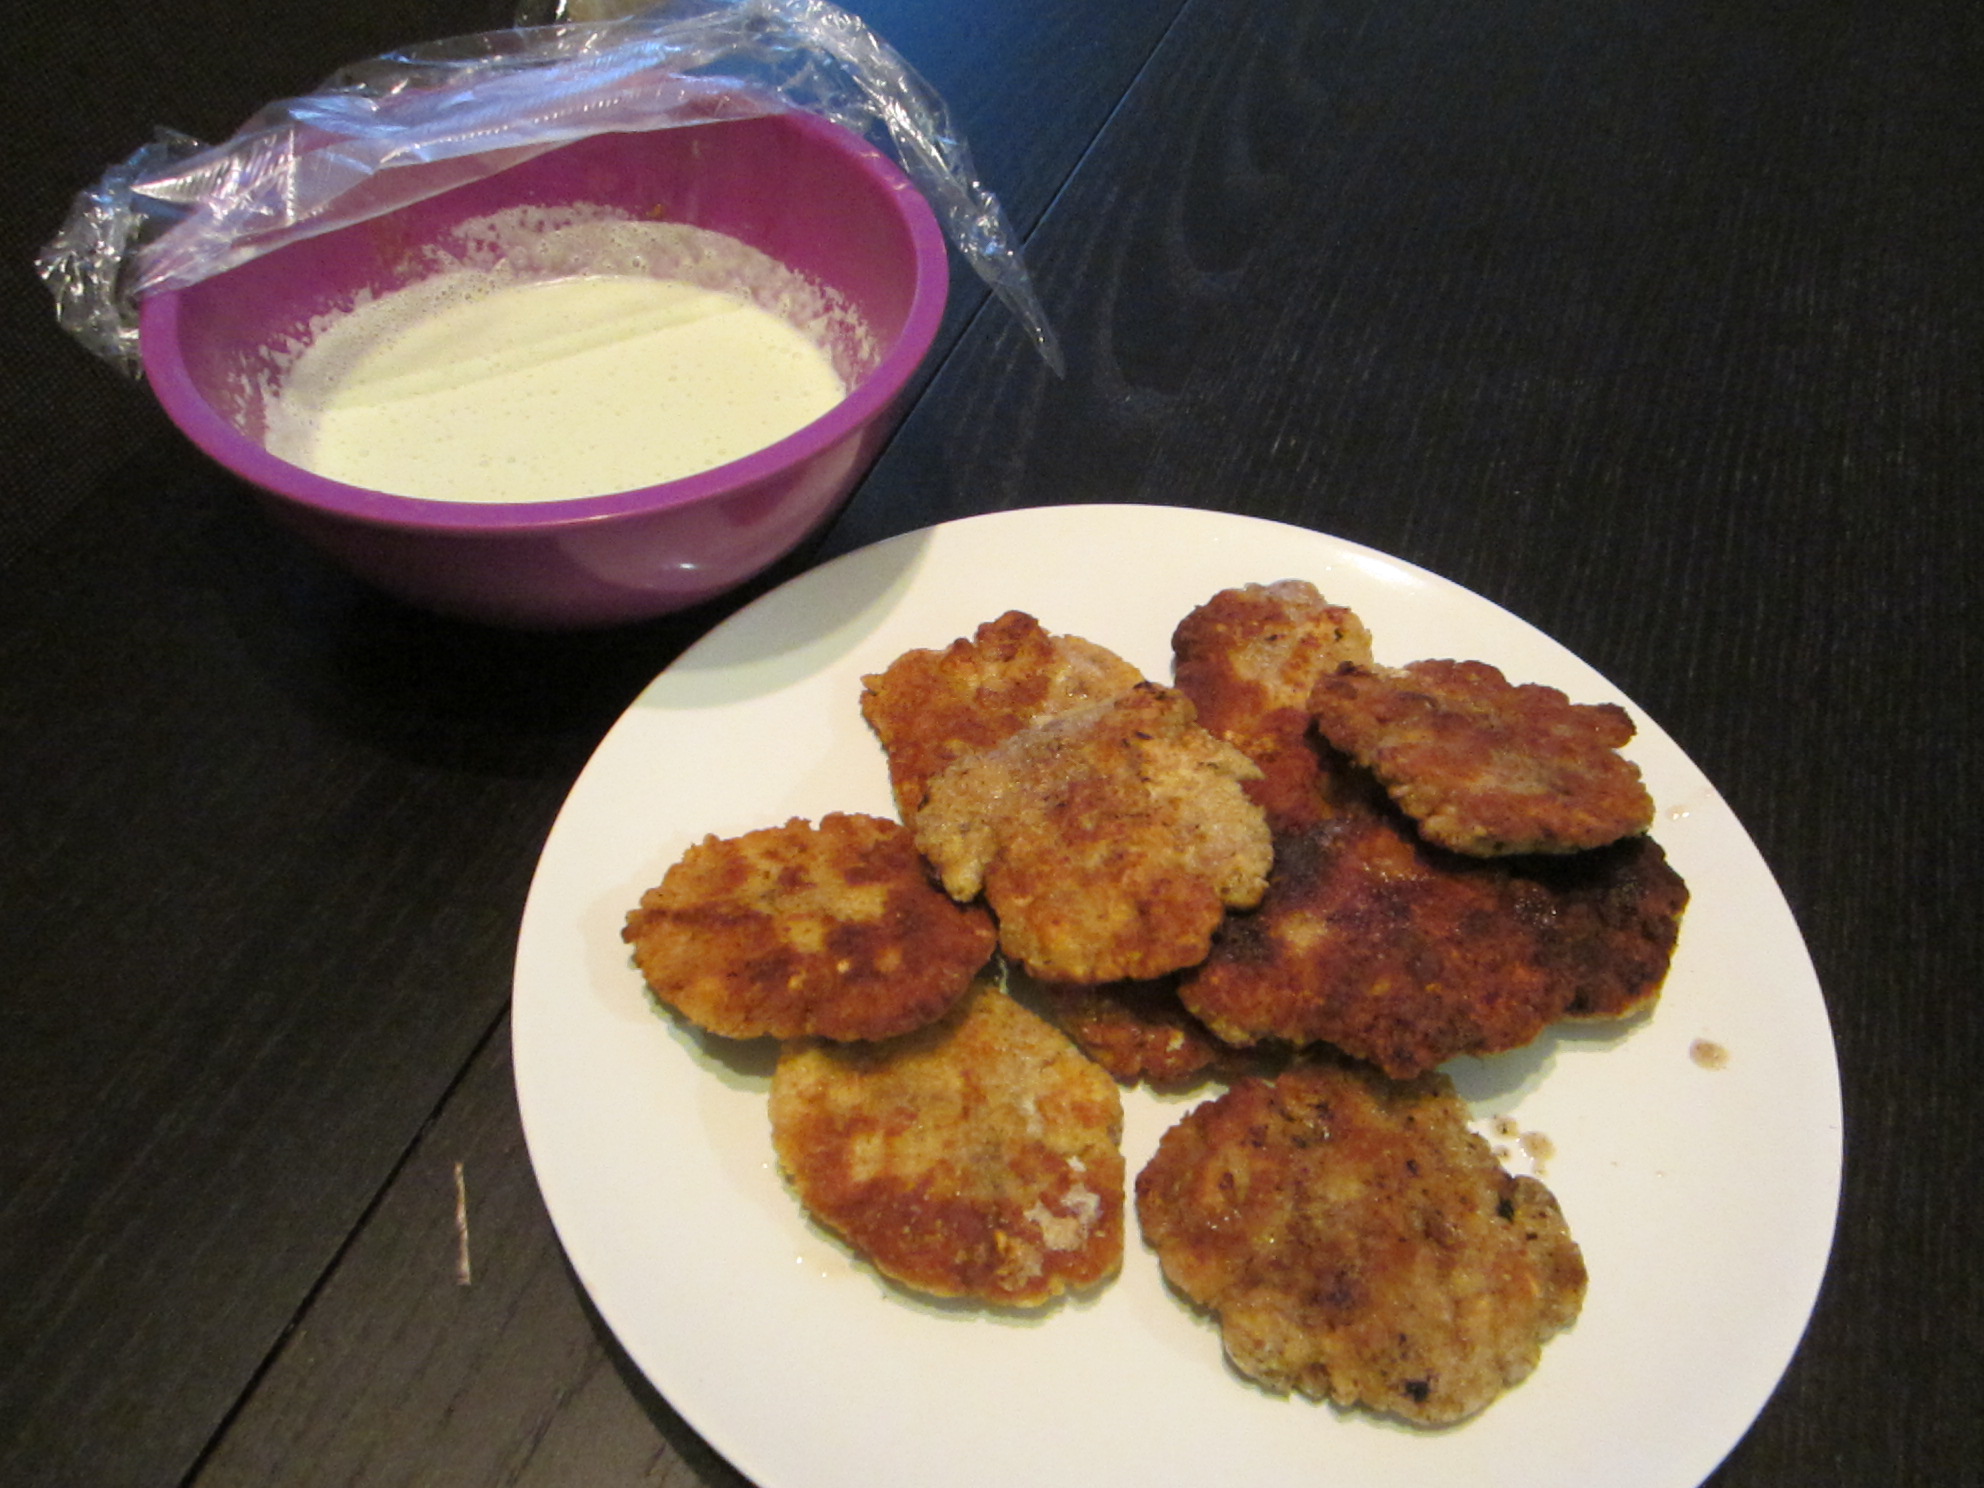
(932, 707)
(976, 1158)
(1485, 766)
(1608, 920)
(1405, 955)
(1367, 942)
(835, 930)
(1358, 1243)
(1140, 1031)
(1249, 658)
(1109, 841)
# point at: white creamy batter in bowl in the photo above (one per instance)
(629, 373)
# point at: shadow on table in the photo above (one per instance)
(424, 687)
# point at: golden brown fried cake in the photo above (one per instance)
(976, 1158)
(1141, 1031)
(1359, 1244)
(1109, 841)
(932, 707)
(1486, 767)
(1405, 955)
(1249, 659)
(835, 930)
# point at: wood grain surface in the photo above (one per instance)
(1660, 325)
(273, 831)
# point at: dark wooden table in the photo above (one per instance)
(1660, 324)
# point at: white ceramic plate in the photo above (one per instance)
(1703, 1197)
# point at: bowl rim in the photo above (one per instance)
(165, 368)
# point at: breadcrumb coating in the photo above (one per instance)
(1249, 658)
(1109, 841)
(975, 1158)
(1484, 766)
(1359, 1244)
(835, 930)
(932, 707)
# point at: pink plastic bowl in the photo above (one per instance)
(809, 193)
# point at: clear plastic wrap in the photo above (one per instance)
(407, 125)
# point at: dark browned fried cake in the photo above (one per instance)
(1249, 658)
(932, 707)
(975, 1158)
(1109, 841)
(835, 930)
(1359, 1244)
(1405, 955)
(1367, 942)
(1486, 767)
(1140, 1031)
(1608, 921)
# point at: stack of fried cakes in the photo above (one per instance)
(1296, 871)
